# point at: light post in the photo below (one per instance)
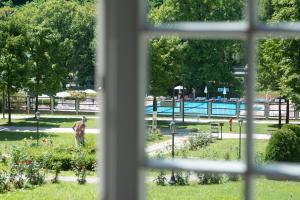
(37, 117)
(240, 120)
(173, 131)
(221, 125)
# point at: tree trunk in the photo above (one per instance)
(279, 119)
(3, 104)
(36, 103)
(154, 113)
(8, 105)
(287, 119)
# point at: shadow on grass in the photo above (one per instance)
(273, 127)
(43, 122)
(15, 136)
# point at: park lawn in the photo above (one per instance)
(60, 191)
(264, 190)
(66, 139)
(205, 127)
(226, 149)
(49, 122)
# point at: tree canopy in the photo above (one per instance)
(200, 62)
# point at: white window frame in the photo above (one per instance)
(122, 35)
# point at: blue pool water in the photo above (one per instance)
(199, 108)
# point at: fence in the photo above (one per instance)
(261, 110)
(53, 104)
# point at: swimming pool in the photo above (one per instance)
(198, 108)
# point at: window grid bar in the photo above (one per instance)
(279, 170)
(221, 30)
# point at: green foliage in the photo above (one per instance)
(278, 58)
(154, 135)
(182, 178)
(199, 140)
(4, 182)
(293, 127)
(211, 178)
(161, 179)
(194, 63)
(284, 145)
(34, 173)
(79, 166)
(56, 166)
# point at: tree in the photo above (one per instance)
(61, 43)
(279, 58)
(13, 45)
(204, 60)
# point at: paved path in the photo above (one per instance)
(182, 136)
(95, 179)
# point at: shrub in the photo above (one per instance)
(4, 182)
(65, 159)
(79, 166)
(154, 135)
(293, 127)
(211, 178)
(283, 146)
(56, 166)
(16, 176)
(181, 178)
(199, 140)
(161, 178)
(33, 173)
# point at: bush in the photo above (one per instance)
(211, 178)
(4, 182)
(154, 135)
(79, 166)
(293, 127)
(161, 178)
(284, 145)
(34, 173)
(199, 140)
(181, 178)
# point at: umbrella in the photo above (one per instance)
(224, 91)
(89, 91)
(63, 94)
(205, 90)
(44, 96)
(179, 87)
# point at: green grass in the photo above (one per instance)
(49, 122)
(264, 190)
(218, 149)
(205, 127)
(17, 138)
(61, 191)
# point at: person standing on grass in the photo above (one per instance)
(79, 128)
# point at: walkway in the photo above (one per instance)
(182, 136)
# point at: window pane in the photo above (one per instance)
(277, 100)
(197, 186)
(200, 85)
(276, 189)
(160, 11)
